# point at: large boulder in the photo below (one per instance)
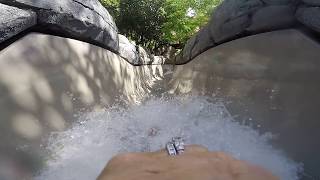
(187, 50)
(231, 18)
(14, 20)
(204, 40)
(128, 50)
(85, 20)
(195, 45)
(272, 18)
(309, 16)
(312, 2)
(235, 19)
(280, 2)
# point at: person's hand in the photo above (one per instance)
(196, 163)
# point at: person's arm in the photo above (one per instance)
(196, 163)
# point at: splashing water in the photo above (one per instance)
(82, 151)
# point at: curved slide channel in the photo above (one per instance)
(67, 107)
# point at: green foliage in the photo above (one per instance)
(154, 23)
(142, 21)
(179, 27)
(112, 6)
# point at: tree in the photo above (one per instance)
(186, 17)
(112, 6)
(142, 20)
(156, 23)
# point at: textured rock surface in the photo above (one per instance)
(197, 44)
(85, 20)
(128, 50)
(186, 53)
(263, 19)
(280, 2)
(231, 18)
(235, 19)
(312, 2)
(14, 21)
(204, 40)
(309, 16)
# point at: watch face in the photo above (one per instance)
(178, 143)
(171, 149)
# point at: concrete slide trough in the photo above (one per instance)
(271, 78)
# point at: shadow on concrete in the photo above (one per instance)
(46, 82)
(269, 81)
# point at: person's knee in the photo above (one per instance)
(124, 158)
(196, 149)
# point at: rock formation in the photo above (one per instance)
(85, 20)
(234, 19)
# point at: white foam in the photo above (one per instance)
(82, 151)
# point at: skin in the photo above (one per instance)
(197, 163)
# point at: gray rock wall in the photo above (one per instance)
(89, 21)
(84, 20)
(234, 19)
(17, 18)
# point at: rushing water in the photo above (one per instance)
(82, 151)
